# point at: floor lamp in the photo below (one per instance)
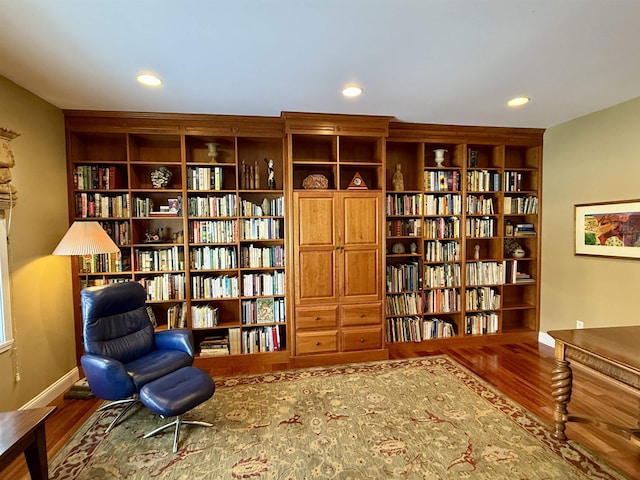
(85, 239)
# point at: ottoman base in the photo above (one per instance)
(178, 422)
(174, 395)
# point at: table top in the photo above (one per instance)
(18, 423)
(619, 344)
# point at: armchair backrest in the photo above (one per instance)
(115, 321)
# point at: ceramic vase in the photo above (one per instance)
(439, 153)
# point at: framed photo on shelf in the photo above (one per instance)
(608, 229)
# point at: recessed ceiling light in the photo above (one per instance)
(149, 80)
(352, 91)
(518, 101)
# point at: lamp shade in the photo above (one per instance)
(85, 238)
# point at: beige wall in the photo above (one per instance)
(41, 283)
(590, 159)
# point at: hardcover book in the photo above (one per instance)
(265, 310)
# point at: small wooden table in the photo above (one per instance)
(23, 431)
(612, 352)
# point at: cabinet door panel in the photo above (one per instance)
(361, 270)
(315, 226)
(360, 219)
(315, 279)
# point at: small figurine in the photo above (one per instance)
(398, 179)
(271, 178)
(476, 252)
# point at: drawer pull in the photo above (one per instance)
(317, 318)
(317, 344)
(362, 315)
(362, 340)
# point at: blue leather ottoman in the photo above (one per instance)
(175, 394)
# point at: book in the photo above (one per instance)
(265, 310)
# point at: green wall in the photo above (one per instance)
(595, 158)
(42, 308)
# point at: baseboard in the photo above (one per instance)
(546, 339)
(54, 391)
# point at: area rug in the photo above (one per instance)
(426, 418)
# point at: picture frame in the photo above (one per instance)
(608, 229)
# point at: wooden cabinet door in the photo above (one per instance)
(315, 248)
(360, 247)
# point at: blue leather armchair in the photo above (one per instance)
(122, 351)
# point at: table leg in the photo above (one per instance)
(36, 455)
(561, 379)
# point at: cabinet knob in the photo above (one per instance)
(362, 315)
(362, 340)
(317, 318)
(317, 344)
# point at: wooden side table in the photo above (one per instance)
(23, 431)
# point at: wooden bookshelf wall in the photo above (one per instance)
(216, 247)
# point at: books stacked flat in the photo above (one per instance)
(214, 345)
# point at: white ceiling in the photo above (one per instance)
(434, 61)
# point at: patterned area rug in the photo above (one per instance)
(426, 418)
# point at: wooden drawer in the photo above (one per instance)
(317, 317)
(324, 341)
(368, 314)
(361, 339)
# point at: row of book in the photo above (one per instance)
(441, 251)
(445, 275)
(246, 340)
(479, 205)
(213, 231)
(213, 258)
(410, 227)
(401, 277)
(442, 227)
(483, 181)
(263, 310)
(404, 204)
(481, 323)
(442, 300)
(106, 262)
(204, 316)
(204, 178)
(449, 204)
(521, 205)
(97, 177)
(409, 303)
(97, 205)
(219, 286)
(254, 284)
(262, 228)
(120, 232)
(482, 298)
(213, 206)
(481, 227)
(416, 329)
(177, 315)
(160, 259)
(442, 180)
(164, 287)
(252, 256)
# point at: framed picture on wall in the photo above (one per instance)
(608, 229)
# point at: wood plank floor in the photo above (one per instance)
(520, 371)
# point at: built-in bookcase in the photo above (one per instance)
(205, 236)
(456, 276)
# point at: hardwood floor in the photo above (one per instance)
(520, 371)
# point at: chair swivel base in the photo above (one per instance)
(128, 402)
(178, 422)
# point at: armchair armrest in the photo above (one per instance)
(108, 379)
(176, 339)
